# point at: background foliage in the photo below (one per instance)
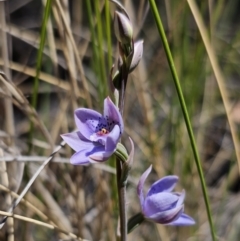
(78, 53)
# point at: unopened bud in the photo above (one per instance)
(123, 28)
(137, 55)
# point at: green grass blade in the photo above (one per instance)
(108, 33)
(104, 86)
(184, 110)
(95, 63)
(46, 15)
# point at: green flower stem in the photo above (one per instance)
(121, 202)
(185, 112)
(135, 221)
(46, 15)
(119, 166)
(119, 169)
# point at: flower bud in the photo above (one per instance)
(137, 55)
(123, 28)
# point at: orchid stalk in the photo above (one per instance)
(98, 137)
(124, 32)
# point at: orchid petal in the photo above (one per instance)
(88, 121)
(183, 220)
(165, 184)
(74, 141)
(159, 202)
(100, 156)
(168, 216)
(79, 158)
(141, 184)
(112, 139)
(112, 112)
(181, 198)
(82, 156)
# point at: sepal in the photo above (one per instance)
(127, 166)
(137, 55)
(123, 28)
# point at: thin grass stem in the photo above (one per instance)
(40, 223)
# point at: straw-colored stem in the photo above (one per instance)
(60, 11)
(40, 223)
(29, 184)
(219, 78)
(9, 118)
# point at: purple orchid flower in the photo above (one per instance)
(160, 204)
(97, 135)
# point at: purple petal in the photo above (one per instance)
(141, 184)
(159, 202)
(183, 220)
(88, 121)
(82, 156)
(79, 159)
(181, 198)
(74, 141)
(100, 156)
(112, 139)
(165, 184)
(168, 216)
(82, 137)
(112, 112)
